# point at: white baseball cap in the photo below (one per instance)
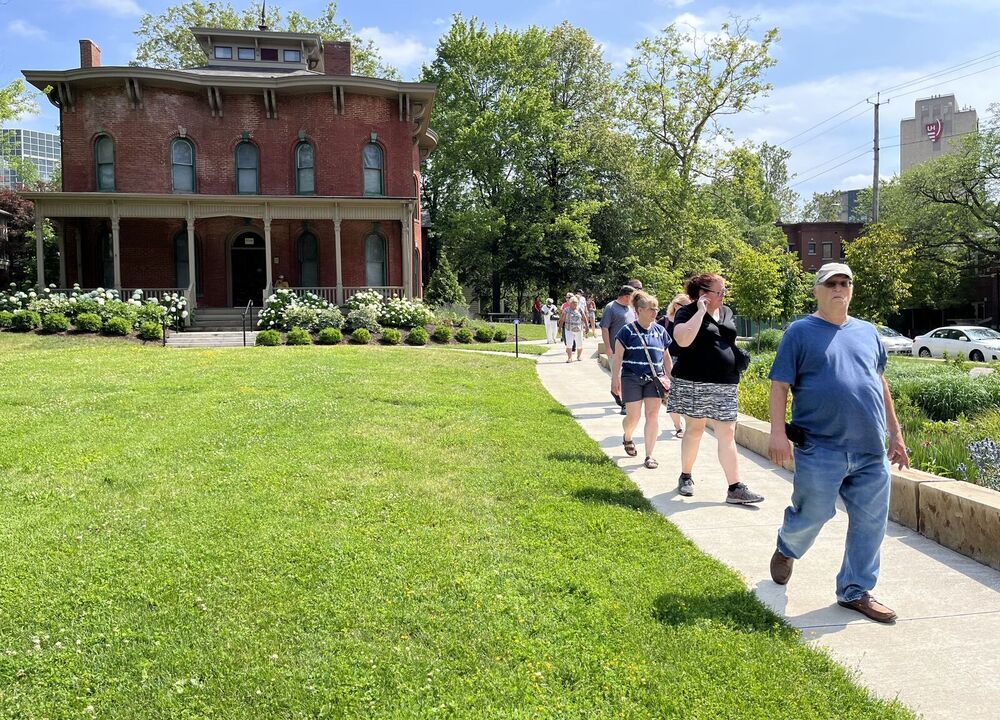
(830, 269)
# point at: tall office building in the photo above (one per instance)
(935, 129)
(41, 148)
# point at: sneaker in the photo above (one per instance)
(781, 567)
(742, 495)
(870, 608)
(685, 485)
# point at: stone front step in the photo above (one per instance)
(197, 339)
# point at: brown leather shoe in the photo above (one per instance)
(781, 567)
(870, 608)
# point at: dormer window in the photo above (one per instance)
(246, 54)
(292, 56)
(269, 54)
(223, 52)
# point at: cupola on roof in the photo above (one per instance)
(260, 49)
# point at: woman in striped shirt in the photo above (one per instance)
(633, 379)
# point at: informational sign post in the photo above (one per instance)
(517, 323)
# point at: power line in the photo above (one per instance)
(943, 82)
(829, 170)
(945, 71)
(822, 122)
(829, 129)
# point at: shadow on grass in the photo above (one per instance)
(581, 457)
(630, 498)
(739, 611)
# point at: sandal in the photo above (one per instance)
(629, 448)
(651, 463)
(679, 432)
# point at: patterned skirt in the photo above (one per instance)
(703, 400)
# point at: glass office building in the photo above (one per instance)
(41, 148)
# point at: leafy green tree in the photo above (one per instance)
(443, 288)
(754, 282)
(882, 265)
(165, 40)
(822, 207)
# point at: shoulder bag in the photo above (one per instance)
(660, 381)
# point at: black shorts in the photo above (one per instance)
(635, 388)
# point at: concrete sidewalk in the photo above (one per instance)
(941, 658)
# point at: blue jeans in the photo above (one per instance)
(862, 482)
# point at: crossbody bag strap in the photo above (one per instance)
(652, 367)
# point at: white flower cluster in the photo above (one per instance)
(400, 312)
(284, 310)
(173, 304)
(364, 298)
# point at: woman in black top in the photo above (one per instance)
(706, 380)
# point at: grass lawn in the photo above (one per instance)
(526, 331)
(497, 347)
(309, 533)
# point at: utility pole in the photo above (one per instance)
(875, 188)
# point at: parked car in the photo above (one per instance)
(968, 341)
(893, 342)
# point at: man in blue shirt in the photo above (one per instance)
(841, 413)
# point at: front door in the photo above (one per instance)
(249, 269)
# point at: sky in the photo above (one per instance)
(832, 55)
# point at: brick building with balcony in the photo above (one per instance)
(816, 243)
(272, 162)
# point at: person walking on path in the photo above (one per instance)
(617, 314)
(550, 318)
(573, 323)
(705, 382)
(536, 311)
(840, 446)
(676, 304)
(640, 374)
(592, 315)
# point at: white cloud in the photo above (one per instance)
(406, 53)
(676, 3)
(24, 29)
(115, 7)
(616, 54)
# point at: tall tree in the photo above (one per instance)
(822, 207)
(882, 265)
(165, 40)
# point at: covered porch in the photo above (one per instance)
(225, 251)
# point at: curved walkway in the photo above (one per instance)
(941, 658)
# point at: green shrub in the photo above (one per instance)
(500, 335)
(484, 333)
(5, 319)
(330, 336)
(117, 325)
(766, 340)
(151, 312)
(24, 321)
(364, 317)
(54, 323)
(442, 334)
(298, 336)
(151, 330)
(268, 338)
(948, 396)
(391, 336)
(463, 335)
(361, 336)
(87, 322)
(760, 366)
(417, 336)
(331, 318)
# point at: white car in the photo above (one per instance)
(893, 342)
(967, 341)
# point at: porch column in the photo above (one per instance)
(192, 269)
(79, 255)
(339, 258)
(62, 254)
(40, 245)
(267, 250)
(116, 248)
(407, 243)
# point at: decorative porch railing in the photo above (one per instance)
(330, 293)
(327, 293)
(153, 293)
(389, 291)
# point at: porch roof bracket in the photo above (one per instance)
(338, 99)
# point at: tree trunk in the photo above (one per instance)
(496, 286)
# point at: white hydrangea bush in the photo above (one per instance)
(400, 312)
(284, 310)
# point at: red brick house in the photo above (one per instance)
(270, 162)
(816, 243)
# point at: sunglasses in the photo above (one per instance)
(720, 293)
(837, 283)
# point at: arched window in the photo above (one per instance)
(375, 260)
(305, 174)
(374, 164)
(246, 168)
(182, 166)
(308, 252)
(104, 156)
(182, 263)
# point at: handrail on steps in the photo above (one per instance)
(247, 309)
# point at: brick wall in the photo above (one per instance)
(142, 140)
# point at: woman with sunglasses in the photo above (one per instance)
(705, 382)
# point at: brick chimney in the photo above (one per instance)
(90, 54)
(337, 58)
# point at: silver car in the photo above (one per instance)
(893, 342)
(968, 341)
